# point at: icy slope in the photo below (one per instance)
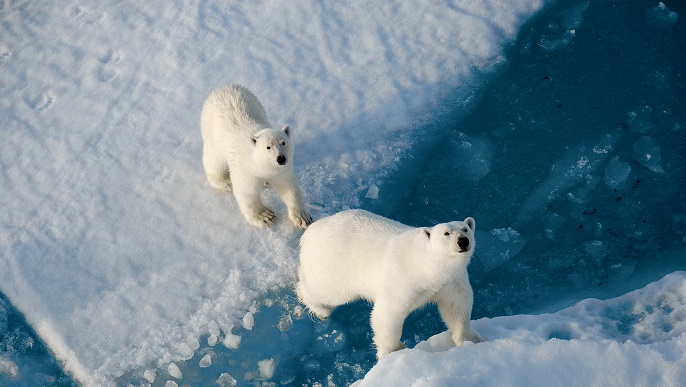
(638, 339)
(112, 244)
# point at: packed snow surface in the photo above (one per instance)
(638, 339)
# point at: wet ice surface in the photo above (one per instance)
(573, 166)
(587, 161)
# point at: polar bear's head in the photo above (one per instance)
(454, 238)
(272, 148)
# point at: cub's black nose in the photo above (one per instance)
(463, 243)
(281, 159)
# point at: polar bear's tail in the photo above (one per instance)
(299, 287)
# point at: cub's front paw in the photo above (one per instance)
(263, 219)
(301, 220)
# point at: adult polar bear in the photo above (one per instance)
(243, 154)
(356, 254)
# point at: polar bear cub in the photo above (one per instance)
(356, 254)
(243, 154)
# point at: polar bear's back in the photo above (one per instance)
(344, 253)
(232, 108)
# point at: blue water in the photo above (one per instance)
(589, 85)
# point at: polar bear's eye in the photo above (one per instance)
(446, 233)
(283, 143)
(269, 147)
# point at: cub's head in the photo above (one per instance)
(453, 239)
(272, 147)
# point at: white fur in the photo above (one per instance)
(356, 254)
(240, 154)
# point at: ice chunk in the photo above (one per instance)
(171, 383)
(174, 371)
(661, 17)
(561, 33)
(266, 368)
(206, 361)
(473, 157)
(617, 172)
(552, 224)
(248, 321)
(647, 153)
(150, 375)
(225, 380)
(8, 368)
(619, 272)
(372, 192)
(285, 323)
(642, 120)
(497, 246)
(212, 340)
(185, 351)
(231, 341)
(192, 343)
(329, 342)
(213, 328)
(596, 250)
(576, 166)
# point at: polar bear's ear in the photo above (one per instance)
(471, 223)
(286, 129)
(254, 139)
(427, 232)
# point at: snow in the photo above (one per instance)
(131, 270)
(638, 339)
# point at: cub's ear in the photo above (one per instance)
(286, 129)
(427, 232)
(471, 223)
(254, 139)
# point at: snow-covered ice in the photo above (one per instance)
(131, 270)
(638, 339)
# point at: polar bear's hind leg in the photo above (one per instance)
(217, 173)
(320, 311)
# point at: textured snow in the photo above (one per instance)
(113, 246)
(638, 339)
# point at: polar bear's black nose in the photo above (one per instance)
(463, 243)
(281, 159)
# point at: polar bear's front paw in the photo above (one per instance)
(469, 335)
(263, 219)
(474, 337)
(382, 351)
(301, 220)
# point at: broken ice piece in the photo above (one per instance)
(174, 371)
(206, 361)
(616, 172)
(248, 321)
(647, 153)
